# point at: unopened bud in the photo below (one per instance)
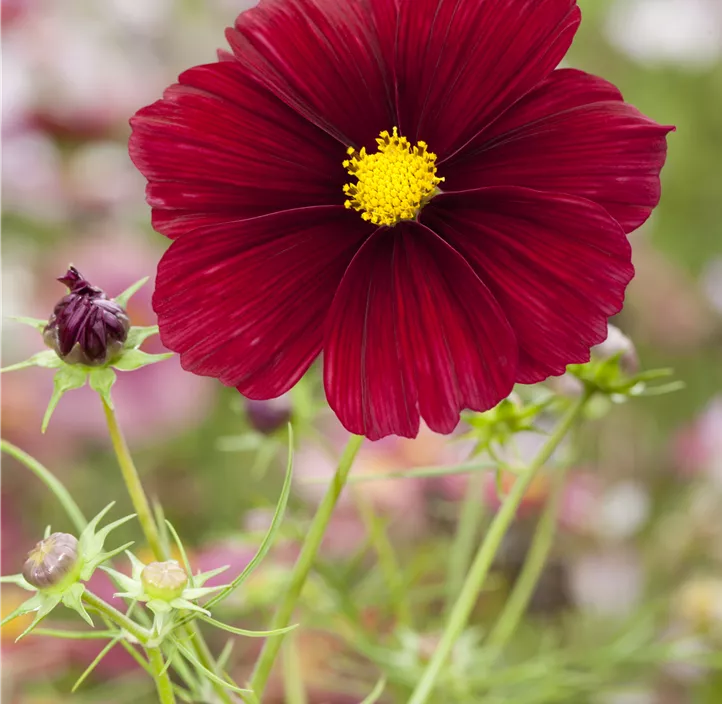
(164, 580)
(51, 560)
(268, 416)
(617, 343)
(86, 327)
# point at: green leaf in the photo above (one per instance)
(131, 360)
(66, 379)
(270, 535)
(123, 298)
(247, 633)
(376, 692)
(138, 335)
(95, 662)
(101, 381)
(36, 323)
(47, 359)
(210, 675)
(51, 482)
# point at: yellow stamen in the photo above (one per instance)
(394, 183)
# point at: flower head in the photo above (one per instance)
(52, 560)
(408, 186)
(86, 327)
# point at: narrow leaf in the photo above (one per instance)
(47, 478)
(95, 662)
(181, 550)
(270, 535)
(247, 633)
(376, 692)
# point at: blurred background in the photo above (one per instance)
(640, 523)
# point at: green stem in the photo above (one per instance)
(117, 617)
(463, 548)
(474, 582)
(61, 493)
(303, 566)
(160, 675)
(133, 484)
(150, 531)
(534, 563)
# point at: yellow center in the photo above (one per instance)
(394, 183)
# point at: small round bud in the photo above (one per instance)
(268, 416)
(617, 343)
(86, 327)
(51, 560)
(164, 580)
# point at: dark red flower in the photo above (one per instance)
(488, 249)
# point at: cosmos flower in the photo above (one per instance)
(408, 186)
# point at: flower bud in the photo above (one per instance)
(86, 327)
(51, 560)
(617, 343)
(164, 580)
(268, 416)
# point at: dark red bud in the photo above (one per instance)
(86, 327)
(268, 416)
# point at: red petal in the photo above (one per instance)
(413, 331)
(572, 134)
(246, 301)
(557, 264)
(218, 147)
(462, 62)
(323, 58)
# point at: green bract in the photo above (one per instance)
(67, 586)
(101, 378)
(160, 586)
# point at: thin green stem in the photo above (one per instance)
(160, 675)
(534, 563)
(150, 530)
(117, 617)
(133, 484)
(459, 615)
(55, 486)
(303, 565)
(467, 530)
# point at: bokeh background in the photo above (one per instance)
(641, 516)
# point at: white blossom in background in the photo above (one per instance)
(683, 32)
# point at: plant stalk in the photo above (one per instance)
(303, 565)
(459, 614)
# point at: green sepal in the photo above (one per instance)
(123, 298)
(138, 335)
(46, 359)
(67, 378)
(133, 359)
(101, 381)
(182, 604)
(43, 604)
(18, 580)
(30, 604)
(72, 598)
(202, 577)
